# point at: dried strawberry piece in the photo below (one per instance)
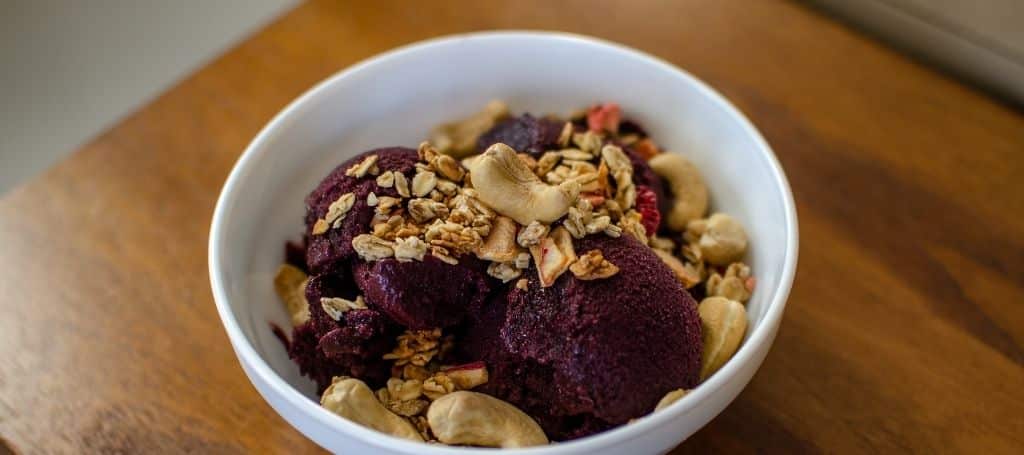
(604, 117)
(596, 198)
(647, 206)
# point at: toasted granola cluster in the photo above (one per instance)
(505, 202)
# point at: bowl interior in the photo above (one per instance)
(397, 98)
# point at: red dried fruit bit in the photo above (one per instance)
(647, 205)
(646, 148)
(596, 199)
(604, 117)
(466, 366)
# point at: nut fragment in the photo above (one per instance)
(616, 159)
(547, 162)
(353, 400)
(448, 168)
(443, 254)
(401, 184)
(423, 183)
(670, 398)
(423, 210)
(690, 194)
(722, 239)
(416, 347)
(404, 390)
(632, 224)
(335, 307)
(467, 376)
(290, 285)
(410, 371)
(662, 243)
(335, 213)
(507, 185)
(565, 135)
(386, 180)
(471, 418)
(723, 323)
(532, 234)
(500, 244)
(576, 154)
(361, 168)
(386, 203)
(438, 385)
(687, 274)
(588, 141)
(409, 248)
(735, 285)
(372, 248)
(553, 256)
(593, 266)
(504, 271)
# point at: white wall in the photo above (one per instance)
(70, 69)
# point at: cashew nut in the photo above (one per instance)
(500, 244)
(723, 322)
(353, 400)
(290, 285)
(687, 187)
(722, 239)
(471, 418)
(506, 184)
(670, 398)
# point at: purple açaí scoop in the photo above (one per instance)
(525, 134)
(582, 356)
(353, 345)
(424, 294)
(332, 249)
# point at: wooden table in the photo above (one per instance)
(904, 330)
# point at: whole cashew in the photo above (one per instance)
(472, 418)
(507, 185)
(670, 398)
(290, 285)
(687, 187)
(722, 239)
(353, 400)
(723, 322)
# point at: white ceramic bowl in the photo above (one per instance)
(394, 99)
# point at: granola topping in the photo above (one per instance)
(336, 307)
(335, 213)
(593, 266)
(409, 248)
(401, 184)
(416, 347)
(372, 248)
(532, 234)
(583, 184)
(423, 183)
(362, 168)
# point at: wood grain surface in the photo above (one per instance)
(904, 330)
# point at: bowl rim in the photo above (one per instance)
(244, 349)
